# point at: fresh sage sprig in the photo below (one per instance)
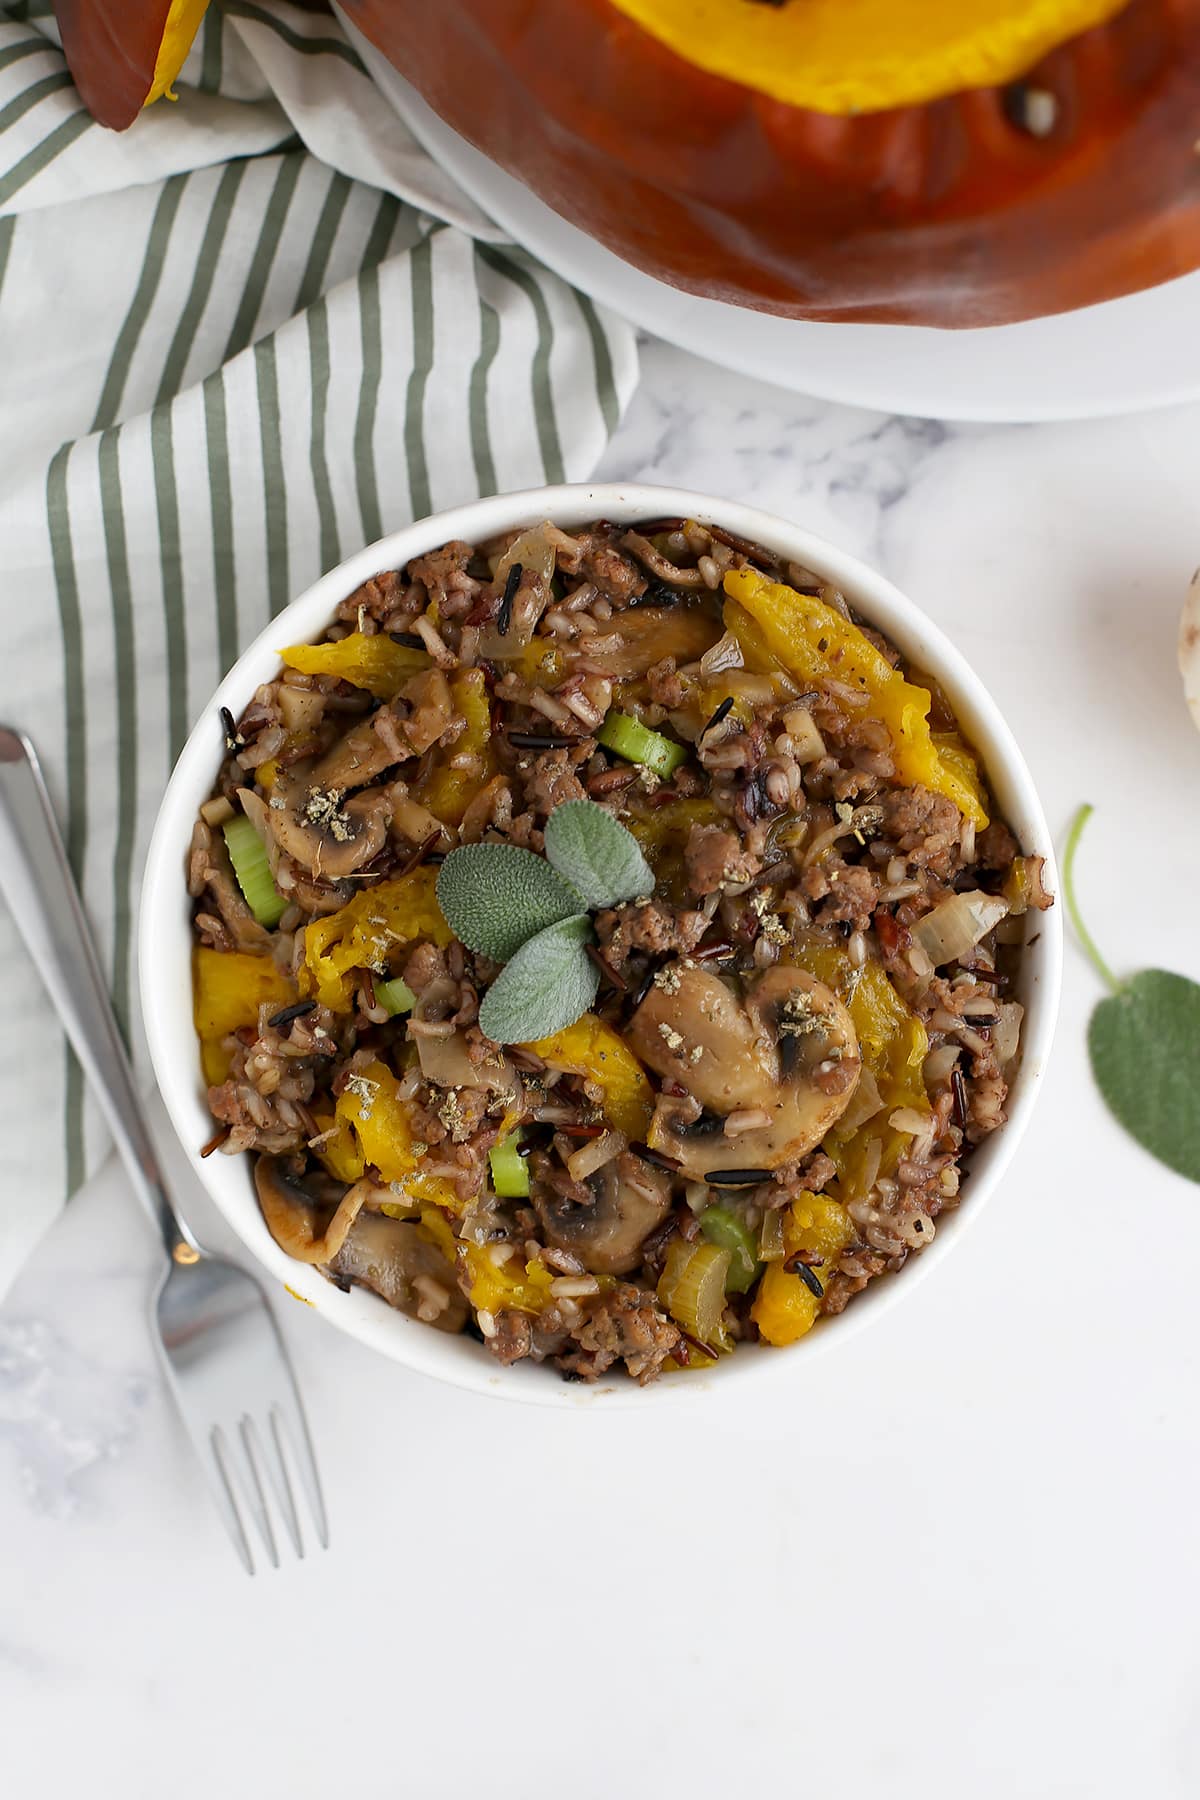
(532, 914)
(1144, 1044)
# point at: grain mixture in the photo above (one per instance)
(798, 1037)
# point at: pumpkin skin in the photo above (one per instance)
(948, 213)
(124, 54)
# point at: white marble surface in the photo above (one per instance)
(958, 1559)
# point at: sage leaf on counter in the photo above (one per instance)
(1144, 1045)
(547, 985)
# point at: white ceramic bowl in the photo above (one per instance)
(166, 941)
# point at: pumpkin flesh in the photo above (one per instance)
(852, 56)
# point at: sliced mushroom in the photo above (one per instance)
(397, 1261)
(318, 1220)
(367, 749)
(628, 1198)
(645, 634)
(211, 869)
(322, 831)
(308, 1217)
(785, 1047)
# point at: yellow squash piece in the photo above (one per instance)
(228, 987)
(662, 833)
(371, 1104)
(524, 1286)
(339, 1150)
(854, 56)
(893, 1043)
(461, 768)
(812, 640)
(375, 663)
(592, 1048)
(367, 933)
(785, 1307)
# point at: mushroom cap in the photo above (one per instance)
(784, 1046)
(628, 1199)
(397, 1260)
(319, 1220)
(322, 832)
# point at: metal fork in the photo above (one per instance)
(224, 1358)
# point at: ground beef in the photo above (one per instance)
(996, 847)
(847, 891)
(550, 781)
(924, 825)
(376, 599)
(623, 1325)
(714, 858)
(653, 926)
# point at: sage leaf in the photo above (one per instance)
(547, 985)
(495, 896)
(597, 854)
(1144, 1045)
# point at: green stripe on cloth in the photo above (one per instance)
(220, 494)
(295, 40)
(112, 508)
(371, 334)
(43, 154)
(330, 217)
(62, 553)
(213, 51)
(421, 265)
(264, 253)
(266, 377)
(162, 451)
(543, 393)
(29, 98)
(13, 53)
(143, 299)
(481, 442)
(318, 364)
(606, 387)
(207, 259)
(8, 230)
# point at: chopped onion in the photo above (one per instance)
(1006, 1032)
(593, 1155)
(771, 1247)
(445, 1062)
(726, 653)
(955, 926)
(535, 553)
(865, 1102)
(939, 1063)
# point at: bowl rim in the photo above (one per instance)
(164, 929)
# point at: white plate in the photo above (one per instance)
(1124, 356)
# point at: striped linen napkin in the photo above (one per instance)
(236, 343)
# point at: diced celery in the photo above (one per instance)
(692, 1288)
(248, 854)
(723, 1227)
(510, 1175)
(629, 738)
(395, 996)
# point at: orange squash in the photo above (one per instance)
(920, 161)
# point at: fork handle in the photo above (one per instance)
(37, 883)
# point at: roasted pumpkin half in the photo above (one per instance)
(918, 161)
(922, 161)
